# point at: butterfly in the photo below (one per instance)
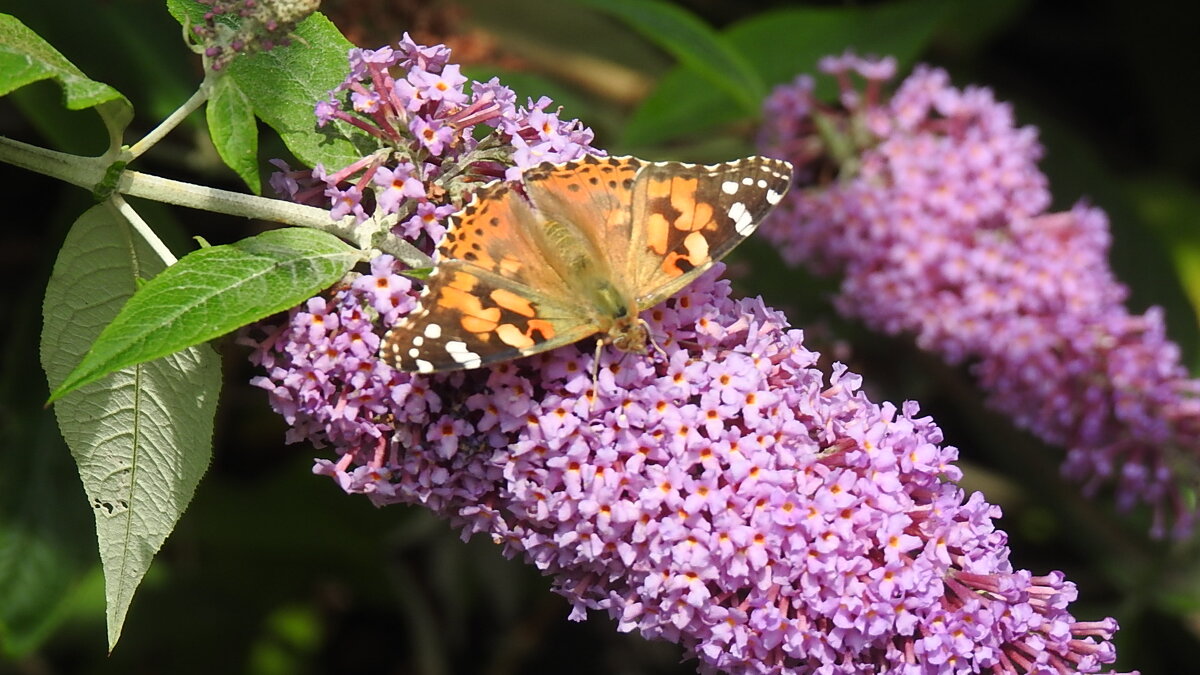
(579, 249)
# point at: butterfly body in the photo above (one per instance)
(586, 248)
(612, 304)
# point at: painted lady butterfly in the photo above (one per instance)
(589, 245)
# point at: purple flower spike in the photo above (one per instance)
(941, 232)
(423, 120)
(394, 186)
(413, 55)
(721, 494)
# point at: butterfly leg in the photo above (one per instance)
(595, 374)
(652, 341)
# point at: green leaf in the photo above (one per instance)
(141, 438)
(283, 86)
(234, 130)
(696, 45)
(26, 58)
(672, 111)
(136, 51)
(419, 273)
(211, 292)
(1168, 207)
(780, 45)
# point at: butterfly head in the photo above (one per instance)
(629, 334)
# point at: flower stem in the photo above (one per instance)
(74, 169)
(189, 106)
(144, 230)
(86, 172)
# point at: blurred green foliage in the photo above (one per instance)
(275, 571)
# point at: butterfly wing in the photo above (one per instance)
(652, 227)
(686, 217)
(592, 195)
(488, 298)
(498, 232)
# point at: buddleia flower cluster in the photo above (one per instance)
(930, 206)
(720, 492)
(428, 156)
(724, 495)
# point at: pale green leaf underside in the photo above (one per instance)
(141, 438)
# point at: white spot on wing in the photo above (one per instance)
(743, 222)
(424, 366)
(729, 187)
(433, 331)
(457, 349)
(773, 197)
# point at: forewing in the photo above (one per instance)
(591, 194)
(491, 297)
(497, 231)
(469, 317)
(687, 217)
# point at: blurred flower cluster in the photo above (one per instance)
(931, 207)
(423, 123)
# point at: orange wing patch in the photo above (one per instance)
(487, 233)
(466, 320)
(513, 302)
(689, 216)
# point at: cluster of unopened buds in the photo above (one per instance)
(256, 25)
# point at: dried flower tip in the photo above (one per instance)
(260, 26)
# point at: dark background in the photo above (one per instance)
(272, 570)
